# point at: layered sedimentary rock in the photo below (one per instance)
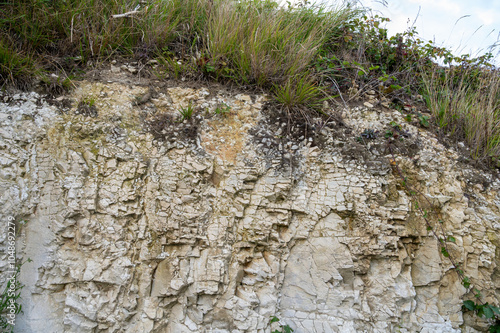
(139, 221)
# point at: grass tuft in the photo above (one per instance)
(187, 112)
(300, 92)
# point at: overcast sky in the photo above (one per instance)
(437, 20)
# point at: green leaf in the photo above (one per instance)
(466, 282)
(495, 328)
(444, 252)
(274, 319)
(287, 329)
(451, 239)
(488, 312)
(469, 305)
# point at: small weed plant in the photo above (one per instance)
(187, 112)
(9, 301)
(282, 328)
(222, 109)
(87, 107)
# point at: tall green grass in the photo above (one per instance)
(265, 44)
(466, 102)
(87, 27)
(257, 41)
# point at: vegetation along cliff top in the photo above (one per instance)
(303, 57)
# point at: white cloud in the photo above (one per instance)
(486, 17)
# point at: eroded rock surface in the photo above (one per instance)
(219, 229)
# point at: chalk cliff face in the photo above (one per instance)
(137, 221)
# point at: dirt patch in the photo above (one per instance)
(295, 126)
(87, 109)
(167, 127)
